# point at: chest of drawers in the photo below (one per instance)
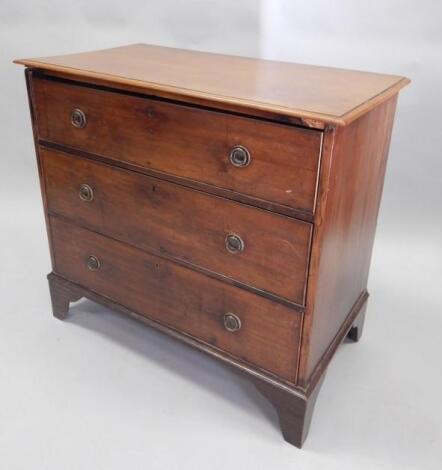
(228, 202)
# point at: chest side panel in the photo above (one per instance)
(351, 182)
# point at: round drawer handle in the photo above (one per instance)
(234, 243)
(78, 118)
(240, 156)
(93, 263)
(86, 193)
(232, 322)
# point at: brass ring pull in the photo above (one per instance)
(240, 156)
(231, 322)
(78, 118)
(86, 193)
(234, 243)
(93, 263)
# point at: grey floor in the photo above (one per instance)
(100, 391)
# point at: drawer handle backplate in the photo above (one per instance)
(78, 118)
(234, 243)
(240, 156)
(86, 193)
(232, 322)
(93, 263)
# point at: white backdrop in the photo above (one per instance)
(402, 37)
(99, 392)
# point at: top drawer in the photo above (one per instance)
(273, 162)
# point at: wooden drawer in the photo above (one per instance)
(181, 298)
(187, 142)
(182, 223)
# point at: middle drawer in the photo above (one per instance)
(254, 247)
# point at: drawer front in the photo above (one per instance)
(184, 141)
(255, 247)
(268, 334)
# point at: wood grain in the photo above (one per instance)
(184, 141)
(331, 95)
(181, 298)
(181, 223)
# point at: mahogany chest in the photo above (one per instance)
(228, 202)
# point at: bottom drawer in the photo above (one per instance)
(246, 325)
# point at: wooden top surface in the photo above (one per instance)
(325, 94)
